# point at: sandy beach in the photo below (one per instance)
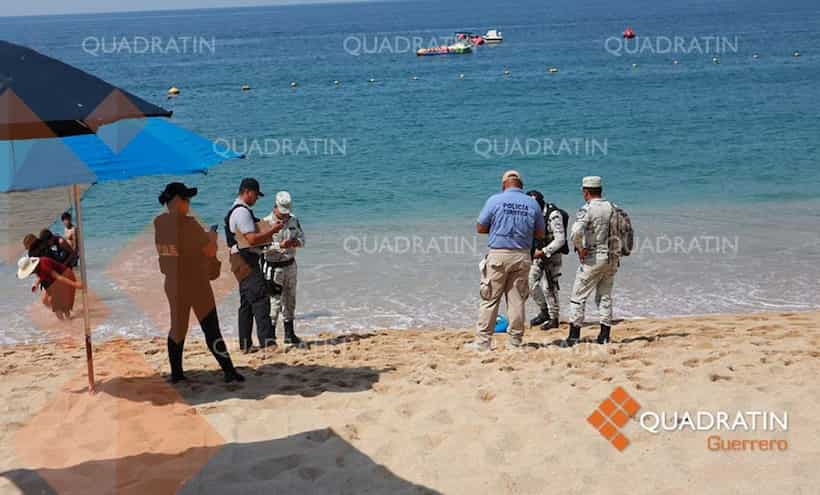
(411, 412)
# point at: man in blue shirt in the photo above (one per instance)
(512, 219)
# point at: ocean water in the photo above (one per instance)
(716, 162)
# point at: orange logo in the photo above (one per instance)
(612, 414)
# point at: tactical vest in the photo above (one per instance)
(247, 254)
(550, 236)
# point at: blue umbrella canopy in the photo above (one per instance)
(42, 97)
(119, 151)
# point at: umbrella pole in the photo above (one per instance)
(89, 355)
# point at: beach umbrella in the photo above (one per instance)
(62, 100)
(60, 126)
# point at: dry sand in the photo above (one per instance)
(411, 412)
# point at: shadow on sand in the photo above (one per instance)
(205, 386)
(314, 462)
(589, 333)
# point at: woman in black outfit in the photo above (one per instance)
(185, 251)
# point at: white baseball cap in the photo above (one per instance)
(283, 202)
(592, 181)
(26, 266)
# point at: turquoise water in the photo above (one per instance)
(693, 149)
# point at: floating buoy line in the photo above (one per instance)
(174, 91)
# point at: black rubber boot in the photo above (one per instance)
(553, 323)
(216, 344)
(220, 352)
(175, 359)
(290, 335)
(603, 337)
(574, 336)
(540, 318)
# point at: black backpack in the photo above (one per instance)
(551, 207)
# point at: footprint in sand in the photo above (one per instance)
(351, 432)
(407, 410)
(310, 473)
(369, 416)
(485, 395)
(441, 417)
(271, 468)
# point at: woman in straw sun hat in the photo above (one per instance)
(56, 280)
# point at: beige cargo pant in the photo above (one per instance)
(503, 274)
(594, 275)
(284, 303)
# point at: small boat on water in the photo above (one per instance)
(493, 36)
(475, 39)
(629, 33)
(457, 48)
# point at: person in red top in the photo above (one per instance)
(56, 280)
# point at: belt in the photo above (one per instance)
(280, 264)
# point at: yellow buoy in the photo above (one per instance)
(173, 91)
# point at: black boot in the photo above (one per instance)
(553, 323)
(574, 336)
(290, 336)
(220, 352)
(540, 318)
(215, 343)
(603, 337)
(175, 358)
